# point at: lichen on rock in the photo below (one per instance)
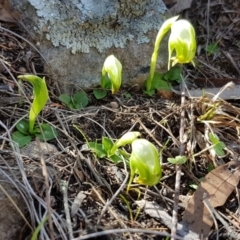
(81, 24)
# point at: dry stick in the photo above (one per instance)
(210, 210)
(149, 133)
(178, 166)
(64, 188)
(111, 211)
(125, 230)
(208, 12)
(26, 184)
(232, 234)
(24, 39)
(108, 203)
(48, 201)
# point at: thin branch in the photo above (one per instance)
(64, 188)
(48, 190)
(178, 166)
(125, 230)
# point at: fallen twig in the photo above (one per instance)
(178, 166)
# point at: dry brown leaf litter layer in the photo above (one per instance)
(156, 119)
(217, 185)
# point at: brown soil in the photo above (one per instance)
(157, 119)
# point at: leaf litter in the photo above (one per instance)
(91, 182)
(218, 185)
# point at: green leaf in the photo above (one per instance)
(21, 139)
(210, 112)
(124, 154)
(64, 98)
(98, 149)
(218, 146)
(39, 227)
(210, 167)
(174, 74)
(80, 99)
(127, 95)
(150, 92)
(177, 160)
(193, 186)
(99, 94)
(159, 83)
(213, 138)
(105, 82)
(71, 105)
(107, 144)
(23, 127)
(115, 158)
(156, 78)
(40, 97)
(47, 132)
(212, 48)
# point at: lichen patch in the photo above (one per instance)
(81, 24)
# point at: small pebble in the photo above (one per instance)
(11, 44)
(22, 70)
(114, 105)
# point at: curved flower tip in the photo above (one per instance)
(145, 162)
(182, 40)
(127, 138)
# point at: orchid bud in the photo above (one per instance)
(113, 68)
(182, 40)
(40, 97)
(145, 162)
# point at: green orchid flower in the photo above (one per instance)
(182, 42)
(145, 162)
(113, 68)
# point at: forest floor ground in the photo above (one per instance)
(92, 183)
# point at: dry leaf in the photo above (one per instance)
(6, 14)
(180, 6)
(218, 185)
(156, 211)
(77, 203)
(165, 94)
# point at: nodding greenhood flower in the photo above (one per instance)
(145, 162)
(113, 68)
(182, 40)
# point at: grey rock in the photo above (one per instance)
(11, 221)
(76, 36)
(35, 150)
